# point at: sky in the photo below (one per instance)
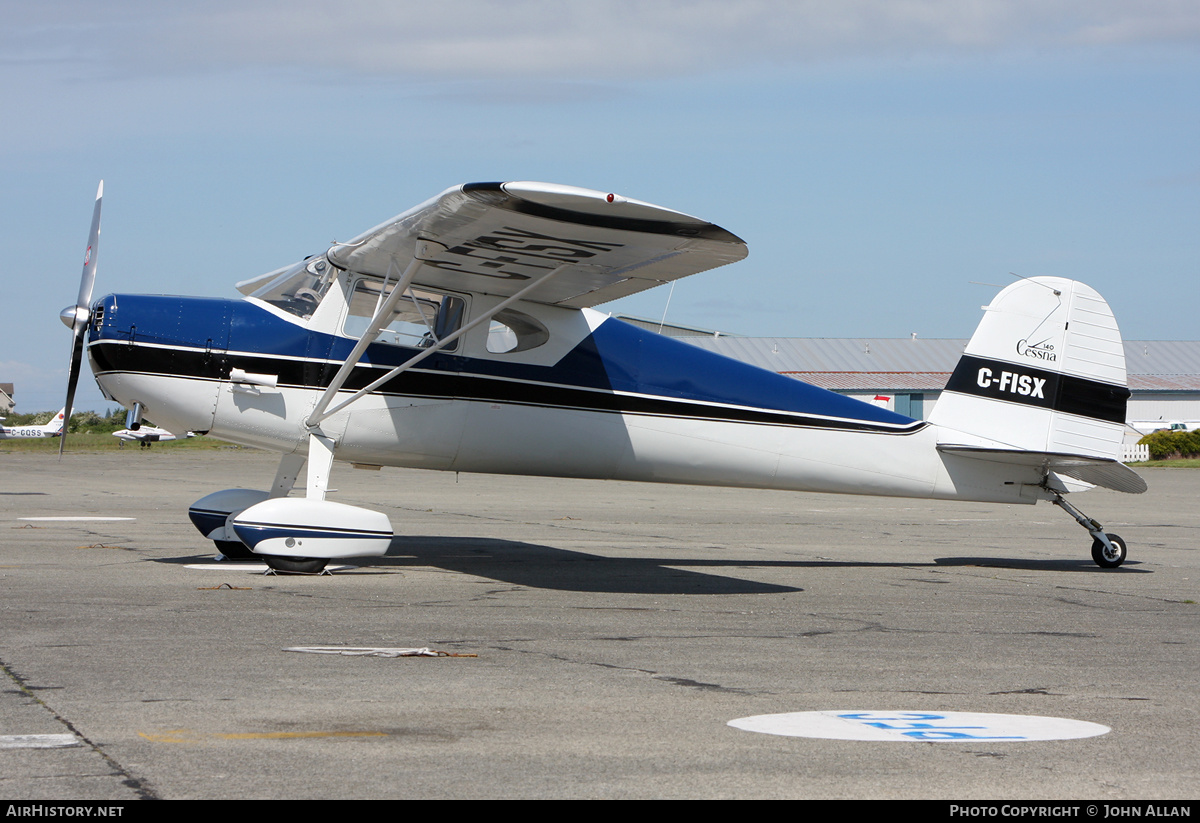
(890, 163)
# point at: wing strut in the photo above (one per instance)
(322, 410)
(382, 313)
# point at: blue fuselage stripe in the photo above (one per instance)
(618, 368)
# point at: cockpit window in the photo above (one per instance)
(513, 331)
(420, 319)
(300, 288)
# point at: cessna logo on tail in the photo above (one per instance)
(1038, 351)
(1012, 382)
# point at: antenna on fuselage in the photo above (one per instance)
(663, 322)
(1057, 293)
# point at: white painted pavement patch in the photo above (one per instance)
(228, 566)
(37, 741)
(920, 727)
(245, 566)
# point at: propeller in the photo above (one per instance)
(76, 317)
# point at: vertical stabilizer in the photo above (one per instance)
(1044, 372)
(55, 426)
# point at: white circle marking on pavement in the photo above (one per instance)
(919, 727)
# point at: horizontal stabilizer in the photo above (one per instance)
(1097, 471)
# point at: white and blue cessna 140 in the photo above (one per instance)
(461, 336)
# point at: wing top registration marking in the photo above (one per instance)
(496, 236)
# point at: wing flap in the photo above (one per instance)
(496, 237)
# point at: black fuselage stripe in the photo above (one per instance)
(430, 384)
(1018, 383)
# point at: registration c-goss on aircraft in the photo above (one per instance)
(52, 429)
(461, 336)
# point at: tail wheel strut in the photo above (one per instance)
(1108, 550)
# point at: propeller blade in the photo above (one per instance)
(88, 278)
(81, 315)
(72, 381)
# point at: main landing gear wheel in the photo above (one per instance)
(235, 550)
(1105, 558)
(295, 565)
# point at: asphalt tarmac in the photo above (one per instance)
(614, 631)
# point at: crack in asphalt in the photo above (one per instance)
(140, 786)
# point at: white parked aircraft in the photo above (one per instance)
(52, 429)
(146, 435)
(1151, 426)
(382, 351)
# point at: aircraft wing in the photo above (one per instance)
(495, 238)
(1097, 471)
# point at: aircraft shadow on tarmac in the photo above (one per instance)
(1075, 564)
(553, 568)
(546, 567)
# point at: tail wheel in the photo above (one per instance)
(1106, 558)
(295, 565)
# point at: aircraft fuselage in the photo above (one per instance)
(603, 399)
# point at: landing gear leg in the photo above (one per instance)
(285, 478)
(1108, 550)
(301, 534)
(320, 463)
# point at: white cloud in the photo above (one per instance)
(600, 40)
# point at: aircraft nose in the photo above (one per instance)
(70, 314)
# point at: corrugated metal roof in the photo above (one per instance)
(1180, 357)
(1152, 365)
(669, 329)
(829, 354)
(1164, 382)
(873, 381)
(916, 355)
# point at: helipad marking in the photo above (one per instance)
(921, 727)
(78, 518)
(37, 741)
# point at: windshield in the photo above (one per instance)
(299, 289)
